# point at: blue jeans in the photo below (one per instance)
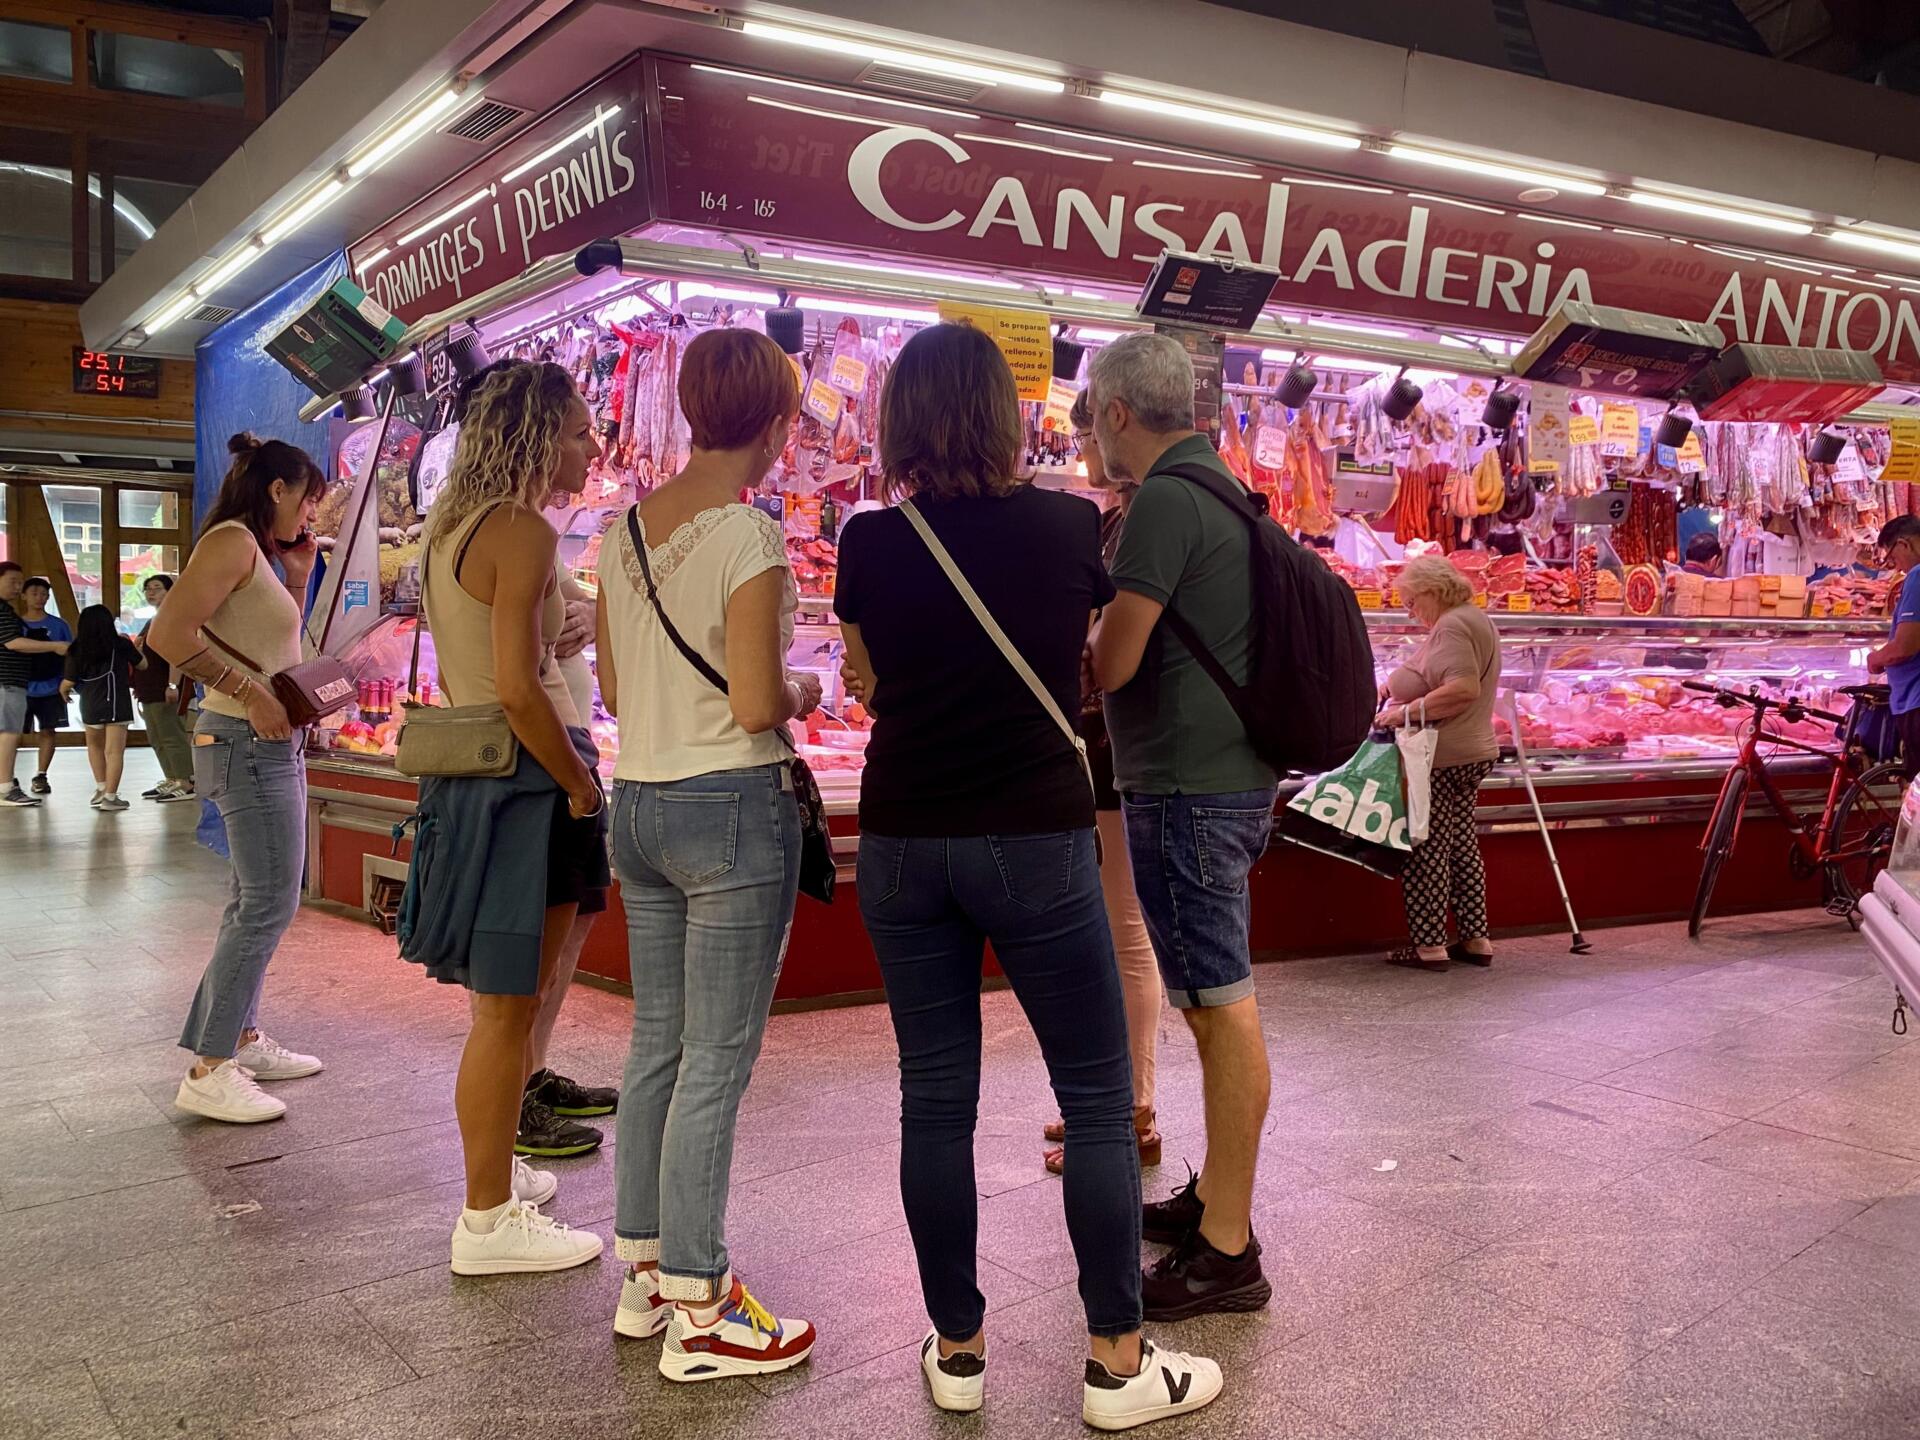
(930, 906)
(1192, 855)
(260, 789)
(708, 869)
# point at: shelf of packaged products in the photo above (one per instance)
(1628, 627)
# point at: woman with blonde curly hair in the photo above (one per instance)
(502, 864)
(1449, 683)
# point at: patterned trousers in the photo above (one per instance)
(1445, 869)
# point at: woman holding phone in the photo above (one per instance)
(247, 758)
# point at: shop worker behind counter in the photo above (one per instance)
(1898, 661)
(1197, 800)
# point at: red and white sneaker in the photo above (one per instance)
(740, 1339)
(644, 1311)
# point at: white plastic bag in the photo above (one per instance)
(1417, 744)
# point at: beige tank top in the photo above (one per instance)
(261, 618)
(462, 630)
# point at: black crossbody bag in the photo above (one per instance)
(816, 845)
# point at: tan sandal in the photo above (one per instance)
(1145, 1134)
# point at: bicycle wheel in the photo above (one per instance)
(1862, 834)
(1719, 845)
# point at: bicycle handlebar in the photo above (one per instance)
(1761, 703)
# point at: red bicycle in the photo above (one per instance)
(1849, 844)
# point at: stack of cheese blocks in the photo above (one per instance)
(1751, 597)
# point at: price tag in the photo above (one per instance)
(1619, 430)
(1270, 447)
(1692, 458)
(849, 374)
(1666, 457)
(823, 403)
(1582, 430)
(1543, 467)
(1903, 464)
(1849, 468)
(1023, 337)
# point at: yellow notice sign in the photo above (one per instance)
(1692, 457)
(1620, 426)
(823, 402)
(1023, 337)
(1903, 463)
(1583, 430)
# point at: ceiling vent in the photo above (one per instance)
(932, 87)
(484, 121)
(213, 314)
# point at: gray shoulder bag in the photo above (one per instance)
(458, 739)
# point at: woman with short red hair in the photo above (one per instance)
(696, 614)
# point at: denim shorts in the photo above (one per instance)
(1192, 855)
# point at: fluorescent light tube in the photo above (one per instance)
(445, 215)
(170, 312)
(856, 307)
(841, 94)
(1032, 145)
(403, 134)
(1229, 120)
(1885, 244)
(305, 210)
(1197, 170)
(1704, 211)
(842, 44)
(600, 117)
(1494, 169)
(243, 255)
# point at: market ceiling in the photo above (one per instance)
(303, 186)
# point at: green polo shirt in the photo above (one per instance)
(1173, 731)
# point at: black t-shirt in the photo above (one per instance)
(15, 668)
(960, 745)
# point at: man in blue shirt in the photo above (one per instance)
(46, 711)
(1899, 658)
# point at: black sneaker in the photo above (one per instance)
(1196, 1279)
(14, 795)
(1172, 1220)
(546, 1134)
(157, 791)
(41, 785)
(565, 1097)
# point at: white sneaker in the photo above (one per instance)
(110, 802)
(1169, 1384)
(227, 1092)
(531, 1186)
(523, 1240)
(175, 790)
(958, 1381)
(741, 1339)
(268, 1059)
(99, 794)
(643, 1311)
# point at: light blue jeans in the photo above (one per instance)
(260, 789)
(708, 869)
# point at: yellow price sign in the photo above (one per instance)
(1692, 456)
(1620, 425)
(1903, 462)
(1023, 337)
(823, 402)
(1583, 430)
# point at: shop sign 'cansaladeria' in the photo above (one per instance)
(661, 145)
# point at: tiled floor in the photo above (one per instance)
(1666, 1190)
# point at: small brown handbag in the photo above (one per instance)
(308, 691)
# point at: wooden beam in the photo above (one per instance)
(82, 236)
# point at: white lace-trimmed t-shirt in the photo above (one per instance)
(673, 723)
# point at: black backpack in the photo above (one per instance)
(1309, 697)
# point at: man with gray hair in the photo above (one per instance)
(1198, 802)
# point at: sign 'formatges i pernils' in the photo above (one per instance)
(660, 146)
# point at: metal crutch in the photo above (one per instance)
(1580, 942)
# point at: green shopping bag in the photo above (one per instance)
(1358, 812)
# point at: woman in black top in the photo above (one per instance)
(100, 665)
(977, 824)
